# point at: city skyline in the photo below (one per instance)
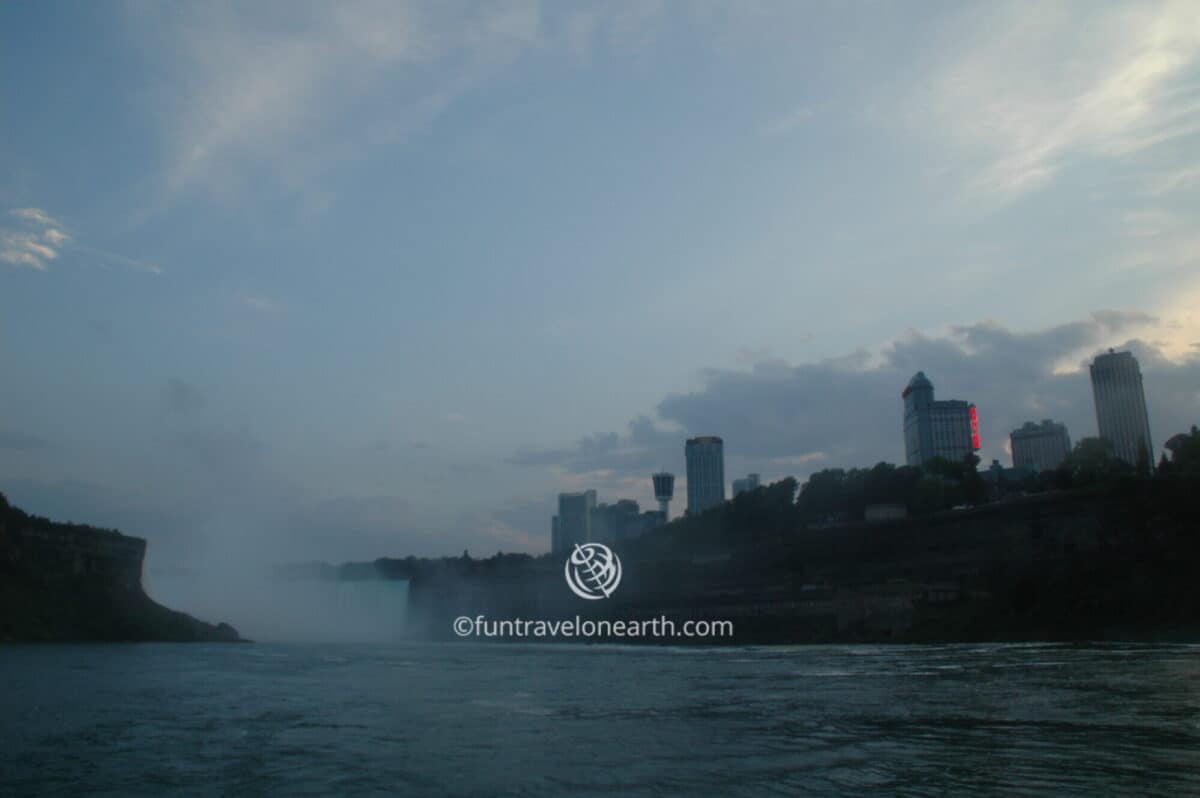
(265, 291)
(931, 429)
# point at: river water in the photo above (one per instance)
(490, 719)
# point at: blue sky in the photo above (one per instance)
(350, 280)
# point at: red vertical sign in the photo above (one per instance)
(974, 429)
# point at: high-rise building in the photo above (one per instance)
(1121, 407)
(1040, 447)
(705, 472)
(948, 428)
(615, 523)
(573, 524)
(581, 520)
(745, 485)
(664, 491)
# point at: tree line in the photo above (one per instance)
(838, 495)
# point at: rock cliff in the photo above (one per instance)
(68, 582)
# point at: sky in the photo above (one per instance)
(346, 280)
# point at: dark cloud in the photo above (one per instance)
(643, 448)
(847, 411)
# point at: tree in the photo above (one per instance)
(930, 494)
(768, 508)
(1143, 459)
(1185, 453)
(974, 489)
(1091, 462)
(823, 493)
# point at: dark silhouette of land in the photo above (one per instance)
(70, 582)
(1095, 550)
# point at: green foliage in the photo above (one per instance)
(1057, 479)
(836, 494)
(930, 495)
(1185, 455)
(1091, 462)
(766, 511)
(769, 508)
(825, 493)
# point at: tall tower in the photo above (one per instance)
(1121, 407)
(664, 490)
(573, 524)
(918, 408)
(705, 472)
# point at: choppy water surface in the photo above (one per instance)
(469, 719)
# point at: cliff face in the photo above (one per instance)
(66, 582)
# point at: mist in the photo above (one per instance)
(266, 605)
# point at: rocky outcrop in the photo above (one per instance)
(69, 582)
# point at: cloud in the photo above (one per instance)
(1173, 180)
(32, 239)
(644, 447)
(255, 98)
(260, 304)
(121, 260)
(847, 411)
(509, 539)
(1023, 91)
(248, 102)
(518, 525)
(56, 237)
(1149, 223)
(36, 216)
